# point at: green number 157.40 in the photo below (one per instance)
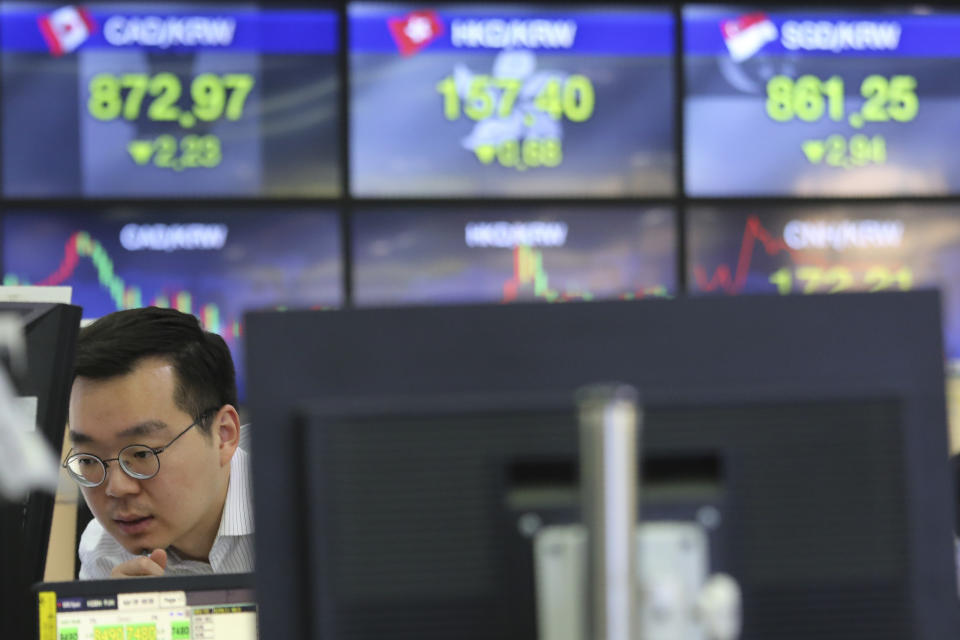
(212, 96)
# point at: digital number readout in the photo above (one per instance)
(810, 99)
(520, 155)
(166, 152)
(114, 632)
(838, 278)
(126, 95)
(820, 102)
(488, 98)
(511, 100)
(573, 98)
(141, 632)
(130, 96)
(169, 99)
(838, 151)
(180, 630)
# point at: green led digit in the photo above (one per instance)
(191, 150)
(551, 153)
(833, 89)
(511, 87)
(840, 277)
(141, 632)
(166, 150)
(240, 85)
(209, 96)
(530, 151)
(105, 102)
(780, 98)
(904, 103)
(904, 278)
(807, 99)
(451, 100)
(861, 149)
(548, 100)
(877, 279)
(114, 632)
(812, 276)
(137, 85)
(578, 98)
(479, 103)
(180, 630)
(874, 89)
(165, 88)
(783, 280)
(212, 155)
(836, 154)
(508, 153)
(879, 144)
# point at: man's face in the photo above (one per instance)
(182, 502)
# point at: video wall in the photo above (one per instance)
(224, 156)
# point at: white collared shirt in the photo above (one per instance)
(232, 550)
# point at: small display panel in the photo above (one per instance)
(177, 614)
(169, 99)
(828, 249)
(216, 265)
(821, 103)
(515, 100)
(409, 256)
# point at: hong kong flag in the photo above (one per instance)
(66, 29)
(415, 30)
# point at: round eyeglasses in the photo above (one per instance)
(137, 460)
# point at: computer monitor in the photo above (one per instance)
(50, 332)
(812, 429)
(214, 607)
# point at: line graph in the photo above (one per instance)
(531, 280)
(81, 245)
(732, 281)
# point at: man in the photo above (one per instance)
(155, 436)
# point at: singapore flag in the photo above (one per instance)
(66, 29)
(747, 35)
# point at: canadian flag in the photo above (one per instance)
(415, 30)
(66, 29)
(746, 35)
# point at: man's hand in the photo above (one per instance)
(152, 565)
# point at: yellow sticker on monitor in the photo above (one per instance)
(47, 601)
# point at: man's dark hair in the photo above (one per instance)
(116, 343)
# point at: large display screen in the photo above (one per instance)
(168, 99)
(559, 253)
(818, 103)
(214, 264)
(511, 100)
(735, 249)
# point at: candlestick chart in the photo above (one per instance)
(81, 245)
(416, 257)
(215, 265)
(530, 280)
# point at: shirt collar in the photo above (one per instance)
(237, 518)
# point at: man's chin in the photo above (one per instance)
(137, 541)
